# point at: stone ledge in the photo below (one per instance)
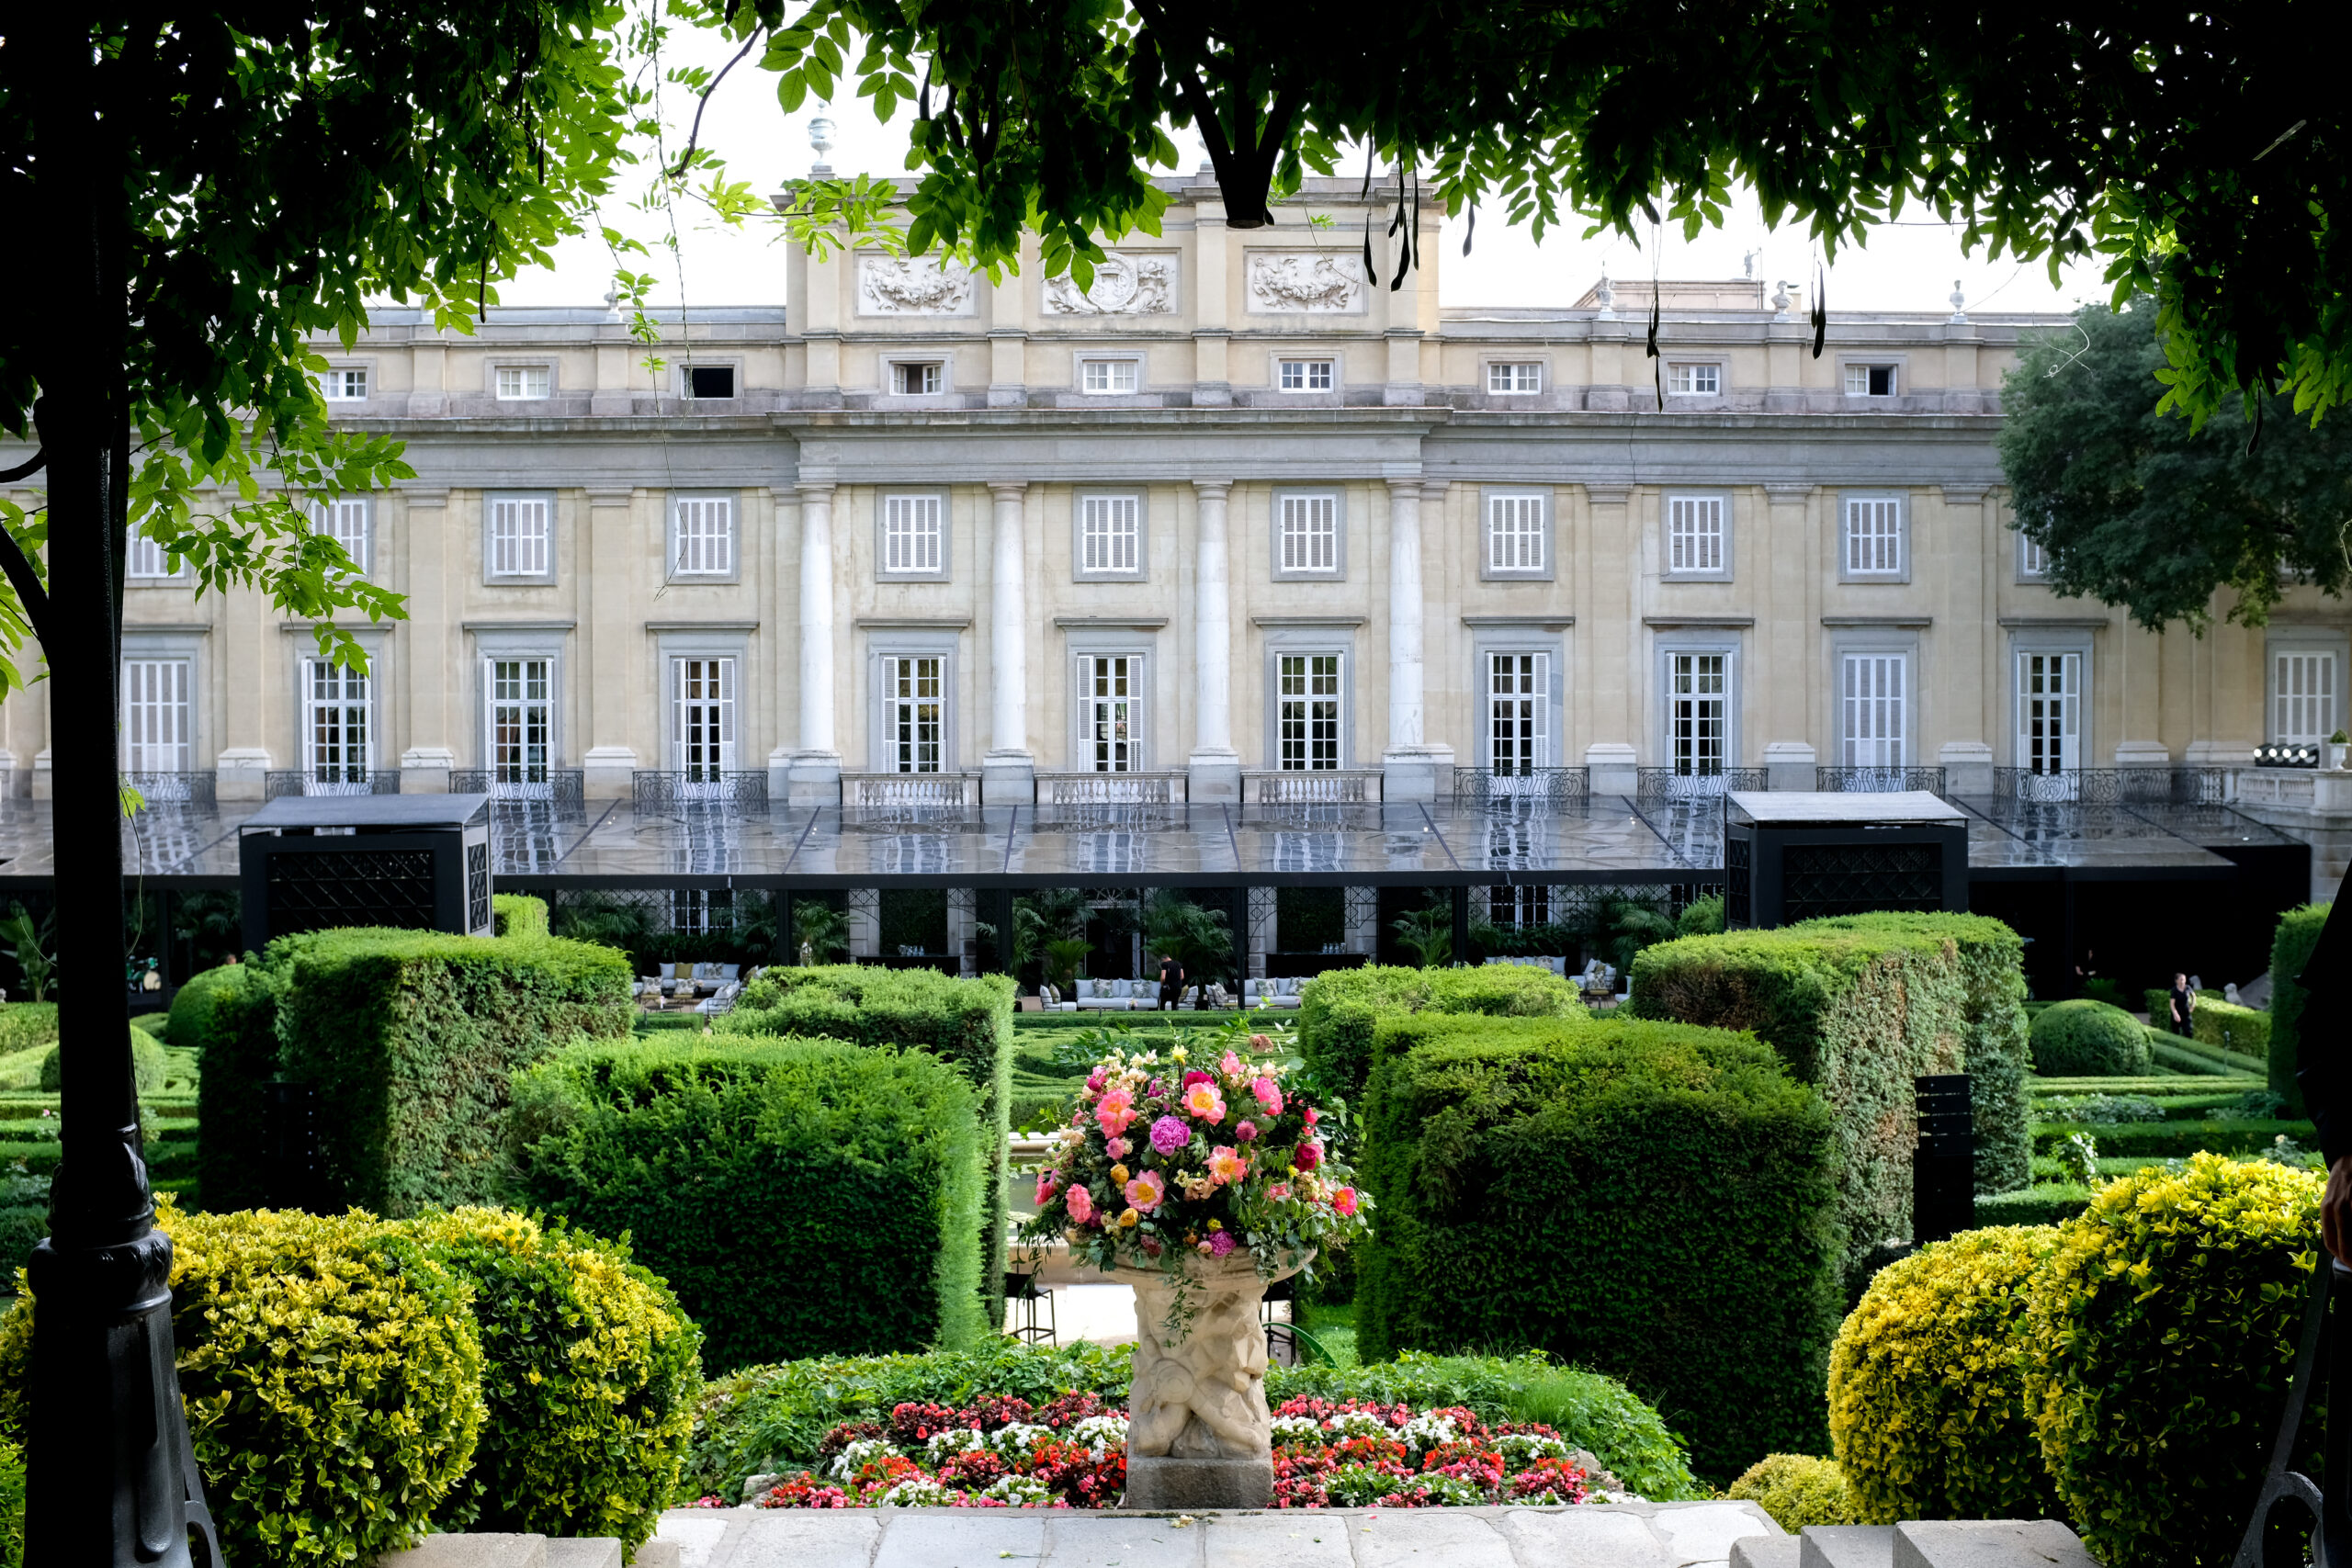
(496, 1551)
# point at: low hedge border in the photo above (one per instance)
(2175, 1140)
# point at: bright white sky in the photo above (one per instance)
(1910, 267)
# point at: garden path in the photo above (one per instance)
(1634, 1535)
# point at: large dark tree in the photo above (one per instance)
(2138, 508)
(194, 193)
(2197, 147)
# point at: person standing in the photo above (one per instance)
(2184, 1006)
(1172, 981)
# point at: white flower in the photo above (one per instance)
(1520, 1448)
(944, 1446)
(916, 1494)
(858, 1455)
(1017, 1440)
(1290, 1428)
(1356, 1424)
(1101, 1434)
(1426, 1431)
(1019, 1490)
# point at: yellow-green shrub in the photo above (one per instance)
(333, 1379)
(1927, 1400)
(1797, 1490)
(590, 1373)
(2158, 1350)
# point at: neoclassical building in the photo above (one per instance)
(1236, 509)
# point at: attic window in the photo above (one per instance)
(1870, 380)
(710, 381)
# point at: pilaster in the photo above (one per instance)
(1214, 768)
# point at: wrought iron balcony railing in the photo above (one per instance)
(664, 791)
(563, 786)
(1664, 785)
(2115, 786)
(1553, 787)
(1877, 781)
(330, 781)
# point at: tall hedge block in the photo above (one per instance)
(2290, 949)
(968, 1025)
(1339, 1012)
(1653, 1200)
(1857, 1013)
(1991, 975)
(518, 914)
(801, 1196)
(229, 1018)
(410, 1039)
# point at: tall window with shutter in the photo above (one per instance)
(2302, 697)
(1309, 534)
(1109, 534)
(344, 521)
(1873, 536)
(521, 714)
(705, 536)
(1515, 534)
(702, 718)
(1694, 535)
(157, 716)
(914, 713)
(337, 727)
(2049, 695)
(1872, 711)
(1308, 712)
(1519, 694)
(912, 534)
(1110, 690)
(520, 537)
(1699, 715)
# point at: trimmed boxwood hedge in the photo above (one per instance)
(1858, 1012)
(801, 1196)
(2176, 1140)
(2088, 1038)
(966, 1024)
(1653, 1200)
(1991, 975)
(411, 1038)
(1339, 1011)
(2290, 949)
(229, 1018)
(514, 914)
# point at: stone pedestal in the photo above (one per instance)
(1212, 775)
(1789, 764)
(1968, 767)
(812, 778)
(1609, 768)
(608, 772)
(1199, 1435)
(1008, 778)
(1424, 773)
(425, 770)
(244, 773)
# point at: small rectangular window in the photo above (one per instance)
(911, 534)
(1110, 533)
(1870, 380)
(1515, 532)
(1699, 379)
(1524, 376)
(918, 377)
(1308, 699)
(2032, 560)
(914, 715)
(1305, 376)
(1107, 376)
(156, 716)
(1310, 533)
(1874, 537)
(705, 536)
(2303, 694)
(1694, 535)
(147, 559)
(710, 381)
(526, 383)
(519, 536)
(345, 521)
(345, 386)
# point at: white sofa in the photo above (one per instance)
(1272, 993)
(1117, 996)
(1555, 964)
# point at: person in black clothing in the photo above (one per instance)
(1172, 981)
(2184, 1006)
(2324, 1075)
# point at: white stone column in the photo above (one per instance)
(816, 771)
(1216, 767)
(1008, 772)
(1409, 766)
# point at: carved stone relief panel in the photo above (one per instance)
(1124, 284)
(1317, 282)
(912, 286)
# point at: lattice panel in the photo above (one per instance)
(1852, 879)
(1739, 873)
(477, 885)
(351, 888)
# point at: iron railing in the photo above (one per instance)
(1110, 789)
(660, 791)
(563, 786)
(2115, 786)
(330, 781)
(1551, 786)
(910, 792)
(1327, 786)
(1877, 781)
(1662, 784)
(174, 788)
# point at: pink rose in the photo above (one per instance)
(1114, 1111)
(1168, 1135)
(1118, 1148)
(1081, 1205)
(1203, 1101)
(1278, 1191)
(1344, 1200)
(1309, 1155)
(1195, 1076)
(1245, 1132)
(1220, 1243)
(1095, 1082)
(1269, 1095)
(1230, 1066)
(1313, 1115)
(1046, 1187)
(1146, 1191)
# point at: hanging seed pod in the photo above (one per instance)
(1471, 231)
(1820, 310)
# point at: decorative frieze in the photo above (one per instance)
(912, 286)
(1305, 282)
(1125, 284)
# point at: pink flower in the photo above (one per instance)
(1220, 1243)
(1269, 1096)
(1046, 1186)
(1227, 1164)
(1203, 1101)
(1114, 1111)
(1313, 1116)
(1146, 1191)
(1344, 1200)
(1168, 1135)
(1230, 1066)
(1245, 1132)
(1094, 1081)
(1081, 1205)
(1309, 1155)
(1278, 1191)
(1194, 1076)
(1118, 1148)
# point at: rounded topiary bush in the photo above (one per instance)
(332, 1375)
(146, 1065)
(2158, 1350)
(1797, 1490)
(590, 1372)
(2086, 1039)
(1927, 1399)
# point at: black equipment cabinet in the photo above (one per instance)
(1801, 855)
(420, 862)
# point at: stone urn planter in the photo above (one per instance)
(1199, 1435)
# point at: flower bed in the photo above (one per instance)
(1003, 1452)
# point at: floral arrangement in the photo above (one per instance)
(1164, 1160)
(1071, 1453)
